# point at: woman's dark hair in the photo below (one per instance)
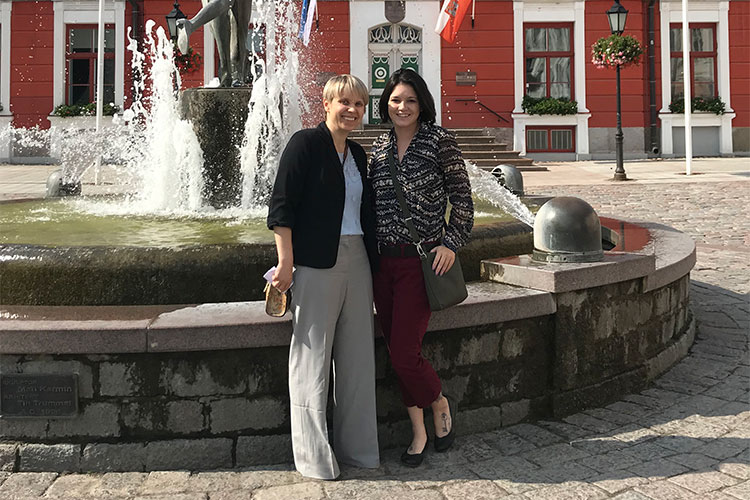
(409, 77)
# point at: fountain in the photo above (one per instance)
(104, 368)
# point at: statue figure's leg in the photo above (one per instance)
(221, 28)
(211, 10)
(242, 10)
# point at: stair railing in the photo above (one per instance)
(483, 105)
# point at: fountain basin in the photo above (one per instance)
(52, 254)
(188, 387)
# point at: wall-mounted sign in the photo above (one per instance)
(466, 78)
(41, 396)
(323, 77)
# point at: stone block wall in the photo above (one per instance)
(605, 336)
(217, 409)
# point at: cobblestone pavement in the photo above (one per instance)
(686, 437)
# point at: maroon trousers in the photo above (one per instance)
(403, 312)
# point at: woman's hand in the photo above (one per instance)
(443, 260)
(282, 277)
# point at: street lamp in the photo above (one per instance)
(172, 18)
(616, 15)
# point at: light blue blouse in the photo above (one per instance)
(350, 223)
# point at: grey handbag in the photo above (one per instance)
(443, 291)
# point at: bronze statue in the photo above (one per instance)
(229, 23)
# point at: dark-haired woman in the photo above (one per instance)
(431, 171)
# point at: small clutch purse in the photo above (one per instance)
(277, 303)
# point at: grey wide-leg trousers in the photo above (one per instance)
(333, 321)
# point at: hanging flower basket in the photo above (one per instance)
(187, 63)
(616, 50)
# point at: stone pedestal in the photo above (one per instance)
(218, 117)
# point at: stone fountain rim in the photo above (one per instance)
(240, 325)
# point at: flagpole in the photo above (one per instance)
(686, 88)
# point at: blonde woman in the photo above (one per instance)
(322, 214)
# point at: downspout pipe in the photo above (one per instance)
(654, 148)
(135, 23)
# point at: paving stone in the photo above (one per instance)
(357, 488)
(721, 448)
(694, 461)
(298, 491)
(704, 482)
(658, 469)
(613, 461)
(565, 431)
(22, 485)
(738, 470)
(631, 495)
(165, 482)
(535, 434)
(554, 454)
(741, 491)
(680, 444)
(507, 443)
(665, 490)
(252, 479)
(599, 445)
(568, 471)
(119, 484)
(72, 485)
(473, 490)
(179, 496)
(612, 482)
(569, 490)
(213, 481)
(590, 423)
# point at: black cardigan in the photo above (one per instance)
(308, 197)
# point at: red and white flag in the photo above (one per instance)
(451, 14)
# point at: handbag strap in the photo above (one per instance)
(404, 209)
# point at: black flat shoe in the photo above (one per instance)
(414, 460)
(444, 443)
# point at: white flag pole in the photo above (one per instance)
(686, 80)
(100, 68)
(99, 86)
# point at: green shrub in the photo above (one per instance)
(85, 109)
(714, 105)
(549, 106)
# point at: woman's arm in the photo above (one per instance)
(458, 188)
(282, 278)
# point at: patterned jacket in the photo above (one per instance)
(431, 173)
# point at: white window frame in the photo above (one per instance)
(715, 12)
(366, 14)
(6, 117)
(552, 11)
(87, 12)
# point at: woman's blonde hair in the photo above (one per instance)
(339, 84)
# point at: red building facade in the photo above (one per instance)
(512, 49)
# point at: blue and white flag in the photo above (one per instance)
(306, 21)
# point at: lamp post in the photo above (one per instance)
(172, 18)
(616, 15)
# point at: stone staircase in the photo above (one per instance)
(476, 146)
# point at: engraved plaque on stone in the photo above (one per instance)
(466, 78)
(38, 396)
